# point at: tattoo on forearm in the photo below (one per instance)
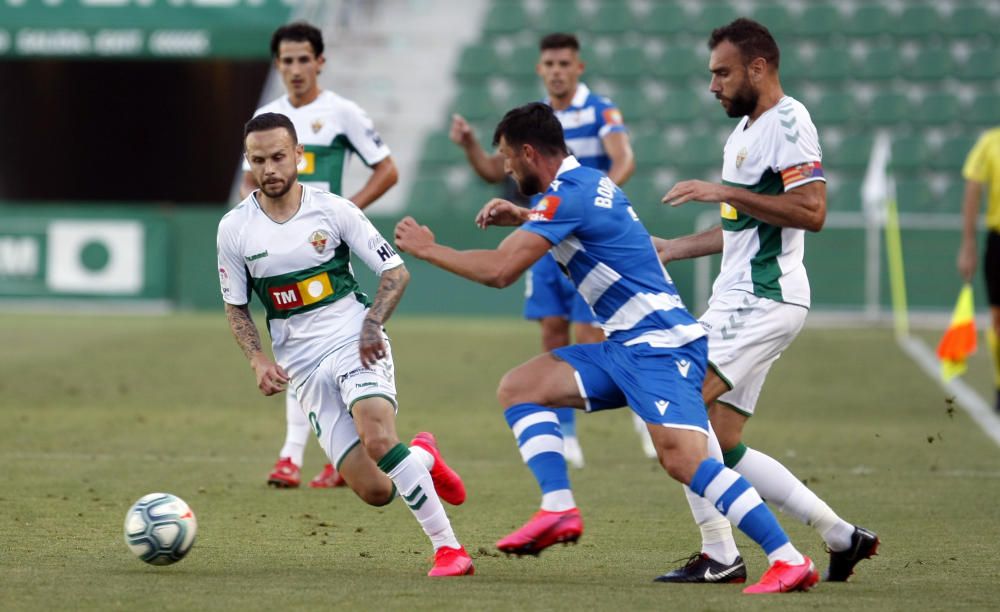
(390, 291)
(243, 329)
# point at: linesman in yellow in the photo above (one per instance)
(982, 174)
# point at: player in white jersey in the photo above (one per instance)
(596, 134)
(331, 129)
(773, 191)
(291, 245)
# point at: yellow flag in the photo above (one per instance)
(959, 340)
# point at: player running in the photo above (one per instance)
(331, 129)
(654, 357)
(291, 244)
(773, 190)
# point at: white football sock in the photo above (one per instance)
(426, 459)
(297, 430)
(780, 487)
(416, 489)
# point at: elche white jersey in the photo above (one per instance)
(776, 153)
(301, 271)
(330, 128)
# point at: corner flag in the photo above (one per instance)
(959, 340)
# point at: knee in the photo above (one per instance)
(508, 391)
(377, 445)
(680, 466)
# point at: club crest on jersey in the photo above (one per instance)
(545, 210)
(319, 240)
(741, 157)
(317, 126)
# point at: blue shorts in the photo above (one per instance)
(661, 385)
(550, 294)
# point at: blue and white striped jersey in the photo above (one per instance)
(588, 119)
(608, 255)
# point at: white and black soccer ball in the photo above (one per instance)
(160, 528)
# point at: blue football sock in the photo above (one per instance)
(567, 421)
(540, 441)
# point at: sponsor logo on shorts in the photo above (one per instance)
(662, 405)
(365, 385)
(683, 366)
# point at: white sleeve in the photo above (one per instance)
(360, 131)
(797, 154)
(232, 270)
(364, 240)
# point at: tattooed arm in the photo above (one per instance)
(271, 377)
(390, 291)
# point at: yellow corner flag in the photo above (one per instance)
(959, 340)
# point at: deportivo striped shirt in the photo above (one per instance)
(585, 123)
(599, 241)
(301, 271)
(776, 153)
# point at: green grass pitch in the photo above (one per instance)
(98, 411)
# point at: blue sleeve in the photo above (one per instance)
(558, 214)
(609, 118)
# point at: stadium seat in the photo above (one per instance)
(951, 155)
(506, 17)
(561, 16)
(918, 21)
(833, 108)
(650, 149)
(915, 195)
(881, 62)
(819, 19)
(681, 106)
(612, 18)
(663, 18)
(679, 63)
(851, 153)
(634, 105)
(931, 63)
(626, 62)
(909, 153)
(521, 62)
(439, 149)
(982, 64)
(792, 65)
(938, 108)
(477, 62)
(698, 152)
(844, 195)
(870, 19)
(777, 19)
(984, 110)
(476, 104)
(887, 108)
(429, 194)
(969, 21)
(832, 63)
(712, 15)
(644, 192)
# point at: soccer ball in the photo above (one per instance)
(160, 528)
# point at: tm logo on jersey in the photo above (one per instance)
(302, 293)
(683, 366)
(662, 406)
(545, 210)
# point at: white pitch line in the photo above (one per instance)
(969, 400)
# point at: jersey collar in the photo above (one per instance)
(568, 163)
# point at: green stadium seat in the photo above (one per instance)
(650, 149)
(938, 108)
(612, 18)
(918, 21)
(843, 195)
(663, 18)
(440, 150)
(819, 19)
(830, 64)
(777, 19)
(523, 92)
(909, 154)
(644, 192)
(793, 66)
(851, 153)
(626, 62)
(984, 110)
(888, 108)
(679, 63)
(712, 15)
(476, 104)
(428, 195)
(968, 21)
(634, 105)
(521, 62)
(477, 62)
(561, 16)
(954, 193)
(698, 152)
(915, 195)
(869, 19)
(931, 64)
(882, 62)
(681, 106)
(982, 64)
(834, 108)
(505, 17)
(951, 156)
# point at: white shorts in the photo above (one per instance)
(746, 334)
(328, 393)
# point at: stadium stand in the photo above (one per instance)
(929, 73)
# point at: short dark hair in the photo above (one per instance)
(751, 38)
(270, 121)
(299, 31)
(534, 124)
(559, 40)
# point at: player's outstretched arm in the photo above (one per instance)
(803, 207)
(271, 377)
(391, 286)
(491, 267)
(488, 166)
(708, 242)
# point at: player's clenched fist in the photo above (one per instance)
(413, 238)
